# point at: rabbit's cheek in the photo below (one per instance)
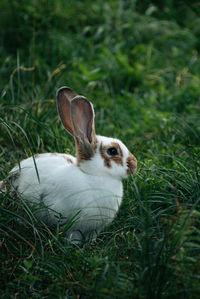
(117, 160)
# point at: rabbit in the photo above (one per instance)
(87, 189)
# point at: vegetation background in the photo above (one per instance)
(139, 63)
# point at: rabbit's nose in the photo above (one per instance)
(131, 163)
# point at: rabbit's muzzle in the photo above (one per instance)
(131, 164)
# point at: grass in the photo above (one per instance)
(139, 64)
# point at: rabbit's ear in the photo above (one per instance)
(82, 117)
(64, 97)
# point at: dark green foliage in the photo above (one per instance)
(139, 63)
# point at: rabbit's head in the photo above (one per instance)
(96, 155)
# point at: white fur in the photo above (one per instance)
(92, 191)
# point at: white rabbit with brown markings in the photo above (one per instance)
(88, 186)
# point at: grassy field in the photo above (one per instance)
(139, 63)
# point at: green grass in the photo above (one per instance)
(139, 63)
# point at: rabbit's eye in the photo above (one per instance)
(112, 151)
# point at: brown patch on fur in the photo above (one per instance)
(68, 160)
(13, 177)
(117, 160)
(42, 196)
(8, 183)
(107, 160)
(36, 155)
(131, 164)
(4, 184)
(85, 150)
(54, 154)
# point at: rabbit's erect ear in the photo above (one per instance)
(64, 97)
(82, 117)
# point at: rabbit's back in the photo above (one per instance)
(35, 177)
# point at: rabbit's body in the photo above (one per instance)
(66, 189)
(88, 188)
